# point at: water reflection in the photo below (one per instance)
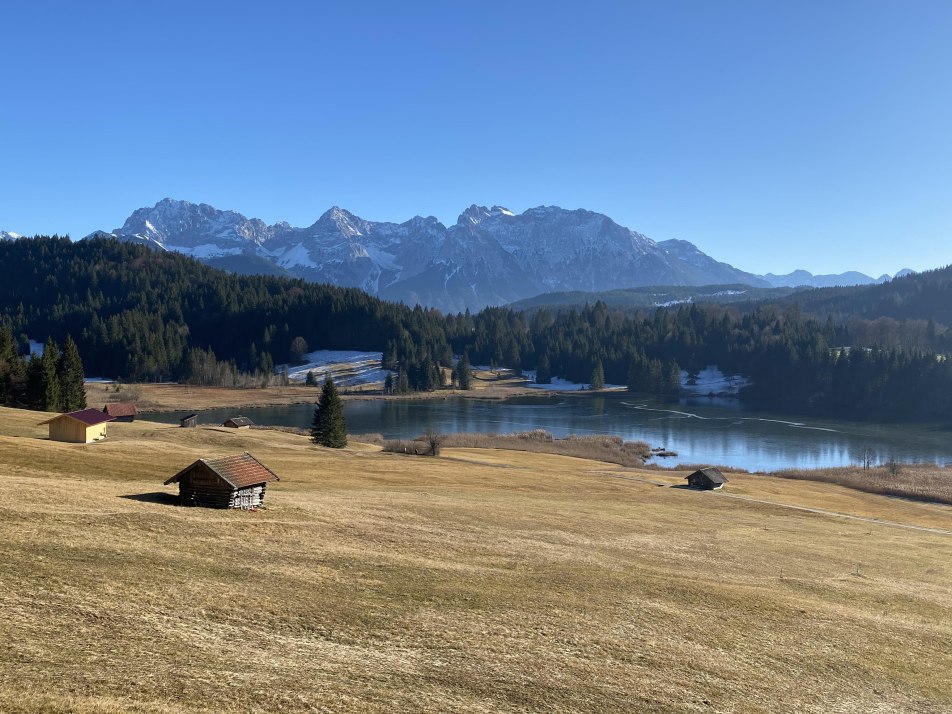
(701, 431)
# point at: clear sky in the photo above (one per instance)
(773, 135)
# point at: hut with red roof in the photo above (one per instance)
(79, 427)
(121, 411)
(237, 481)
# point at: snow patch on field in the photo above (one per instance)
(348, 368)
(563, 385)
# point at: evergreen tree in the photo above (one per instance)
(12, 369)
(50, 394)
(598, 376)
(672, 378)
(309, 379)
(70, 375)
(464, 373)
(35, 388)
(544, 371)
(328, 427)
(388, 384)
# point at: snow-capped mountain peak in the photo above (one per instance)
(490, 256)
(474, 215)
(8, 235)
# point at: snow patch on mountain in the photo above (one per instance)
(490, 256)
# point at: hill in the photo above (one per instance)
(486, 581)
(138, 313)
(914, 296)
(652, 297)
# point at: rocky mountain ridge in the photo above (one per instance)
(490, 256)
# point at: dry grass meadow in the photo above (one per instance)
(479, 581)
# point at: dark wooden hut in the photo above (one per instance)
(189, 422)
(121, 411)
(237, 481)
(238, 422)
(707, 479)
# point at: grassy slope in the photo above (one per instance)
(483, 581)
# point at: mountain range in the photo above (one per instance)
(490, 256)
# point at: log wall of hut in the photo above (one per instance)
(203, 487)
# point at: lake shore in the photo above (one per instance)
(173, 396)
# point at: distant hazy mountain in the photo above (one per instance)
(490, 256)
(7, 235)
(804, 278)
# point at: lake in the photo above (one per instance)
(701, 430)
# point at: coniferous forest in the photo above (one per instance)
(139, 314)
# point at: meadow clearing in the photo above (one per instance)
(479, 581)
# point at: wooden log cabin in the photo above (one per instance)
(237, 481)
(189, 421)
(708, 479)
(80, 427)
(238, 422)
(121, 411)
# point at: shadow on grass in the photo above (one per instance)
(161, 497)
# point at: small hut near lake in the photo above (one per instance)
(121, 411)
(708, 479)
(238, 422)
(80, 427)
(237, 481)
(189, 422)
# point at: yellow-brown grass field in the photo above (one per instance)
(480, 581)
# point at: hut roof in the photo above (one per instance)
(89, 417)
(239, 421)
(712, 474)
(239, 470)
(120, 409)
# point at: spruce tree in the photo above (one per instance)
(598, 376)
(328, 427)
(70, 374)
(52, 394)
(464, 372)
(12, 369)
(544, 371)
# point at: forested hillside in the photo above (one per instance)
(136, 313)
(918, 296)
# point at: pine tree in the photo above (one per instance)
(70, 375)
(51, 401)
(598, 376)
(328, 427)
(464, 372)
(544, 371)
(12, 369)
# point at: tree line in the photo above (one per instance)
(51, 382)
(140, 314)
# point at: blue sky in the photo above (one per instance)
(773, 135)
